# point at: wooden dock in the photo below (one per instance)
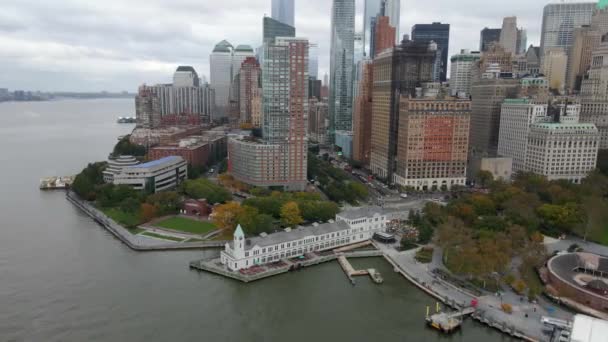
(448, 322)
(351, 272)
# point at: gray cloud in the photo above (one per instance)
(117, 44)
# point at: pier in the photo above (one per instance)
(351, 272)
(448, 322)
(56, 183)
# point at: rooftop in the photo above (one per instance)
(169, 159)
(185, 68)
(223, 46)
(296, 234)
(362, 212)
(588, 329)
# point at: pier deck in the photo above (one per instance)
(448, 321)
(351, 272)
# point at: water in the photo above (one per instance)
(64, 278)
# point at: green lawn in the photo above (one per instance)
(126, 219)
(186, 225)
(164, 237)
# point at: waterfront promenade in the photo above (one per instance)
(136, 242)
(524, 322)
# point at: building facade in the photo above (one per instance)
(284, 11)
(362, 119)
(398, 71)
(341, 66)
(250, 91)
(488, 37)
(220, 72)
(385, 35)
(115, 166)
(349, 227)
(318, 121)
(280, 157)
(433, 142)
(516, 117)
(440, 34)
(584, 42)
(196, 150)
(560, 20)
(508, 35)
(158, 175)
(461, 75)
(555, 63)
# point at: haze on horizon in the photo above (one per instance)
(77, 45)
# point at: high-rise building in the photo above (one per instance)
(372, 9)
(280, 157)
(461, 75)
(487, 96)
(555, 63)
(313, 60)
(341, 66)
(398, 71)
(220, 63)
(314, 88)
(496, 55)
(488, 37)
(560, 20)
(384, 35)
(522, 40)
(516, 117)
(318, 121)
(440, 34)
(594, 92)
(362, 117)
(283, 11)
(358, 48)
(392, 10)
(433, 140)
(563, 149)
(273, 28)
(186, 97)
(250, 91)
(509, 34)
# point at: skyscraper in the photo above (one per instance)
(461, 75)
(392, 10)
(362, 117)
(487, 37)
(385, 35)
(274, 28)
(280, 157)
(594, 92)
(341, 66)
(313, 60)
(220, 63)
(250, 92)
(440, 34)
(283, 11)
(508, 34)
(372, 8)
(559, 22)
(522, 41)
(397, 71)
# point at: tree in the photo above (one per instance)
(148, 212)
(129, 205)
(482, 204)
(225, 215)
(290, 214)
(203, 188)
(167, 202)
(563, 218)
(125, 147)
(485, 177)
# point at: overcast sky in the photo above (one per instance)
(93, 45)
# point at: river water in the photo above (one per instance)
(64, 278)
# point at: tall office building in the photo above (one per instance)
(273, 28)
(186, 98)
(341, 66)
(461, 72)
(488, 37)
(433, 139)
(313, 60)
(362, 117)
(560, 20)
(384, 35)
(220, 73)
(509, 34)
(440, 34)
(516, 116)
(594, 92)
(392, 10)
(555, 63)
(522, 40)
(280, 157)
(397, 72)
(371, 10)
(283, 11)
(250, 92)
(318, 121)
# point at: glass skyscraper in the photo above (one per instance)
(283, 11)
(559, 22)
(372, 9)
(274, 28)
(341, 66)
(440, 34)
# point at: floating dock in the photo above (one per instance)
(56, 183)
(448, 322)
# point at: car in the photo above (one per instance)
(403, 195)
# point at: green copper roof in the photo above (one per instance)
(243, 47)
(602, 4)
(223, 46)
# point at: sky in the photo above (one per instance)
(116, 45)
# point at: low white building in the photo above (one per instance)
(158, 175)
(349, 227)
(588, 329)
(115, 166)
